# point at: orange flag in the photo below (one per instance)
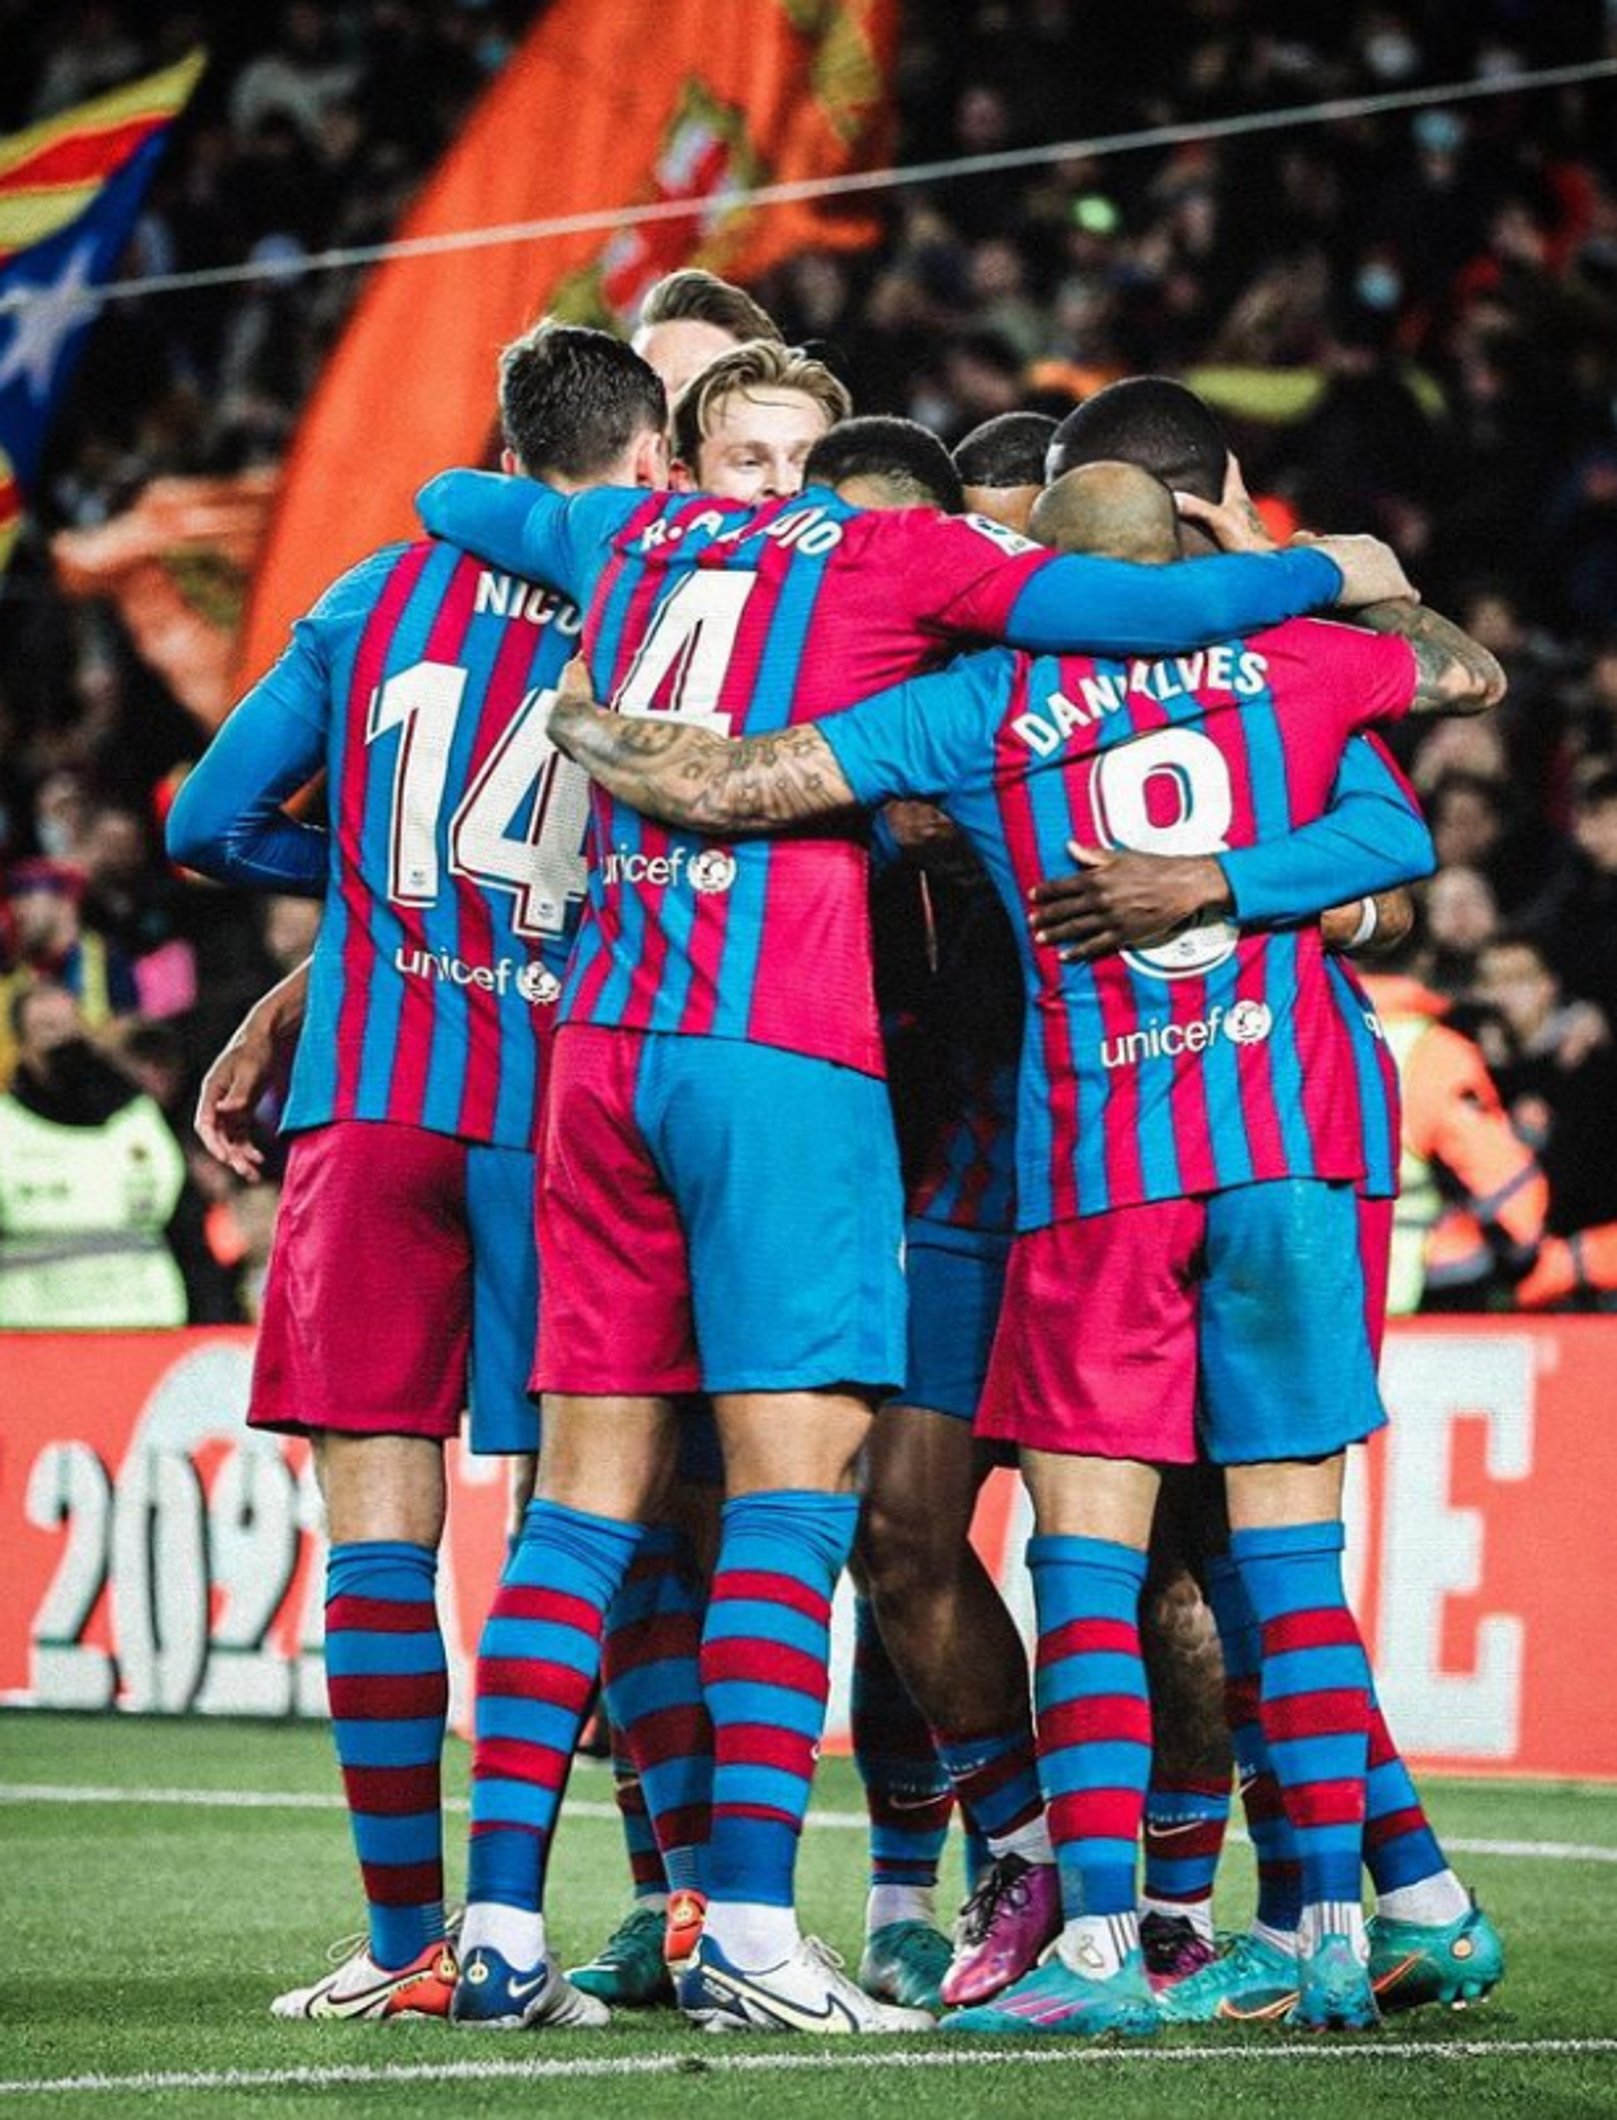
(177, 564)
(603, 107)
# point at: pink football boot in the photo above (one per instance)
(1003, 1927)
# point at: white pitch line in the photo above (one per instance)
(948, 2053)
(832, 1821)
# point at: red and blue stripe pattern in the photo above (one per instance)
(996, 1779)
(1186, 1817)
(1400, 1848)
(822, 605)
(1094, 1715)
(432, 1010)
(537, 1664)
(1148, 1076)
(1268, 1828)
(1315, 1698)
(765, 1658)
(388, 1683)
(651, 1671)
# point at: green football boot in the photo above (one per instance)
(1456, 1962)
(629, 1970)
(1250, 1982)
(1333, 1991)
(905, 1962)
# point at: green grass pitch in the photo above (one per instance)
(145, 1935)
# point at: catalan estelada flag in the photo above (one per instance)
(70, 188)
(608, 104)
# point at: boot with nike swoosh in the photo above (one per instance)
(807, 1992)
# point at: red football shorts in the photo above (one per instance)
(1096, 1350)
(368, 1303)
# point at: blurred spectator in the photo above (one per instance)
(1577, 915)
(1462, 916)
(50, 942)
(92, 1183)
(290, 928)
(1472, 1197)
(1559, 1081)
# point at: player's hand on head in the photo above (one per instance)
(1119, 900)
(1232, 521)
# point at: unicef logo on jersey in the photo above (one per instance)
(537, 986)
(1249, 1023)
(712, 871)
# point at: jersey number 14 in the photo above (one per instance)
(520, 825)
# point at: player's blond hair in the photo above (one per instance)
(762, 364)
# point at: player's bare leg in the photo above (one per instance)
(1188, 1804)
(957, 1649)
(1087, 1559)
(944, 1622)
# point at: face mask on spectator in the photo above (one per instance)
(1379, 287)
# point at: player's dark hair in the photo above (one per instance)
(692, 296)
(1008, 450)
(1598, 789)
(907, 457)
(572, 400)
(1151, 421)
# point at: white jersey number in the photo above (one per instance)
(1169, 792)
(687, 652)
(518, 828)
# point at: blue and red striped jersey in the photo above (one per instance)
(753, 621)
(1216, 1058)
(750, 620)
(454, 865)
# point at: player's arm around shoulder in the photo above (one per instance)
(684, 775)
(1454, 674)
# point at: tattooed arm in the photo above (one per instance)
(1456, 674)
(684, 775)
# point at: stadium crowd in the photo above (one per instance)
(1416, 335)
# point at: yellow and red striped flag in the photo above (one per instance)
(70, 188)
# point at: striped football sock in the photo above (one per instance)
(1280, 1876)
(536, 1669)
(1315, 1710)
(646, 1873)
(388, 1683)
(765, 1653)
(1405, 1859)
(1186, 1818)
(907, 1793)
(1094, 1716)
(651, 1663)
(996, 1778)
